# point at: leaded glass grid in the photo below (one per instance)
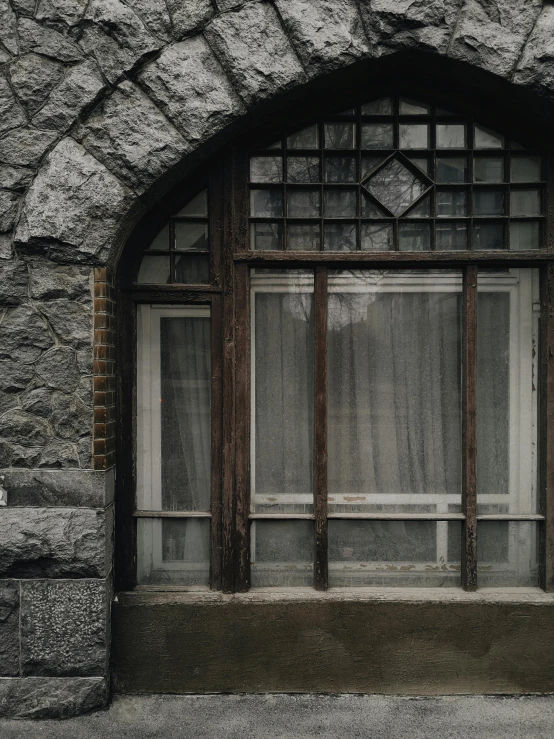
(396, 174)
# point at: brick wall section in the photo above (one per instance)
(104, 370)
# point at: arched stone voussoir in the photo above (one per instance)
(73, 209)
(535, 70)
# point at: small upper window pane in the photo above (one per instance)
(198, 206)
(340, 135)
(378, 107)
(377, 136)
(162, 239)
(487, 139)
(451, 136)
(191, 236)
(414, 135)
(154, 270)
(266, 169)
(307, 138)
(412, 107)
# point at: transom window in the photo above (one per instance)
(314, 405)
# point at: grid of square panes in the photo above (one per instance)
(180, 252)
(396, 174)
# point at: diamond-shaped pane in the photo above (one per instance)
(395, 186)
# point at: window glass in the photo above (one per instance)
(282, 553)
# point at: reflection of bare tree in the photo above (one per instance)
(395, 186)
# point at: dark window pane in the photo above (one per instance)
(526, 169)
(488, 236)
(339, 203)
(340, 135)
(395, 186)
(413, 107)
(154, 270)
(303, 237)
(488, 202)
(266, 169)
(451, 169)
(377, 237)
(377, 136)
(282, 553)
(370, 209)
(421, 162)
(369, 162)
(303, 203)
(266, 203)
(451, 136)
(488, 169)
(266, 236)
(525, 203)
(413, 136)
(303, 169)
(484, 138)
(340, 169)
(524, 235)
(450, 236)
(162, 239)
(339, 236)
(198, 206)
(414, 236)
(378, 107)
(193, 269)
(451, 203)
(191, 235)
(173, 552)
(507, 554)
(421, 210)
(307, 138)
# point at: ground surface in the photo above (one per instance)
(280, 716)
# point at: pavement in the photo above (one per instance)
(295, 716)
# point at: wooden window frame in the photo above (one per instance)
(228, 297)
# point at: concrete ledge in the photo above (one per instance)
(43, 697)
(66, 488)
(423, 644)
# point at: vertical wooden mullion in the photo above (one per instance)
(320, 427)
(469, 428)
(546, 388)
(216, 442)
(242, 426)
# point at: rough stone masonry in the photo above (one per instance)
(100, 100)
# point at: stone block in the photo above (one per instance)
(9, 628)
(67, 12)
(11, 114)
(33, 78)
(82, 85)
(133, 138)
(74, 204)
(8, 26)
(58, 369)
(255, 51)
(24, 335)
(535, 69)
(25, 147)
(9, 204)
(64, 628)
(51, 281)
(50, 697)
(58, 542)
(62, 488)
(326, 35)
(189, 85)
(393, 25)
(14, 279)
(46, 41)
(15, 178)
(155, 15)
(70, 321)
(491, 34)
(188, 16)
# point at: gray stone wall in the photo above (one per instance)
(100, 102)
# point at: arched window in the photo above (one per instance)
(335, 361)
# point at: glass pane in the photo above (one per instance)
(339, 204)
(282, 386)
(266, 236)
(173, 551)
(340, 135)
(173, 408)
(421, 210)
(421, 162)
(451, 203)
(378, 107)
(282, 553)
(339, 236)
(266, 169)
(451, 136)
(191, 235)
(488, 236)
(370, 209)
(484, 138)
(154, 270)
(507, 554)
(413, 107)
(303, 169)
(307, 138)
(162, 239)
(394, 553)
(266, 203)
(395, 186)
(369, 162)
(413, 136)
(377, 237)
(450, 236)
(488, 169)
(340, 169)
(198, 206)
(393, 391)
(192, 269)
(377, 136)
(526, 169)
(525, 203)
(507, 390)
(303, 203)
(524, 235)
(414, 236)
(488, 202)
(451, 169)
(303, 237)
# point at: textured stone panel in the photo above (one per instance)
(326, 34)
(70, 417)
(58, 369)
(80, 88)
(491, 35)
(133, 138)
(9, 203)
(74, 201)
(68, 12)
(188, 16)
(59, 455)
(255, 51)
(536, 66)
(8, 24)
(9, 628)
(24, 429)
(25, 147)
(48, 488)
(116, 37)
(59, 542)
(64, 628)
(14, 376)
(189, 85)
(6, 248)
(15, 178)
(50, 697)
(155, 16)
(24, 335)
(403, 24)
(13, 283)
(11, 115)
(51, 281)
(24, 7)
(42, 40)
(34, 77)
(71, 322)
